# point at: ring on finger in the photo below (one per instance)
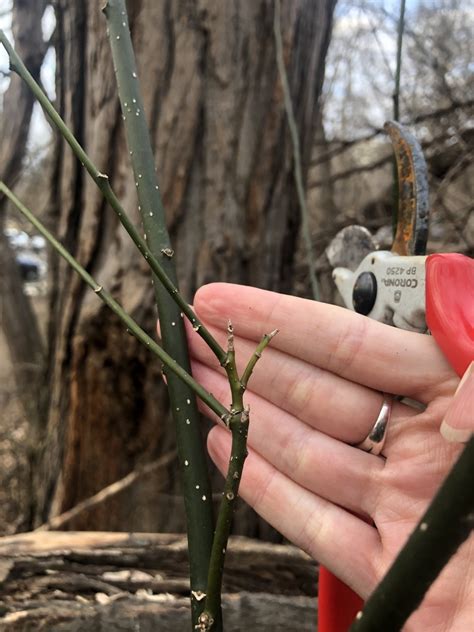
(375, 440)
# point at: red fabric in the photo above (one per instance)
(337, 603)
(450, 307)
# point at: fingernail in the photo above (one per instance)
(458, 423)
(455, 435)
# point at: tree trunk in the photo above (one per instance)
(18, 322)
(215, 106)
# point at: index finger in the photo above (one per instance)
(333, 338)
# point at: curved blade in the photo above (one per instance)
(413, 207)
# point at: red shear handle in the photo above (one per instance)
(337, 603)
(450, 307)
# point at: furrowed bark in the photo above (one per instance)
(18, 319)
(102, 182)
(131, 325)
(214, 102)
(200, 524)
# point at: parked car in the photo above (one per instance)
(31, 267)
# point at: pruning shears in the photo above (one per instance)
(405, 288)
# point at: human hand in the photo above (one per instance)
(315, 393)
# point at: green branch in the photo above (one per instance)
(255, 357)
(102, 182)
(447, 523)
(199, 514)
(296, 151)
(238, 422)
(131, 325)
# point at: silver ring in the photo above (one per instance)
(375, 440)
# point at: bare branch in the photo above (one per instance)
(107, 492)
(345, 144)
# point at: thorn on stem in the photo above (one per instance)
(226, 417)
(230, 337)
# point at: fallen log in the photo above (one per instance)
(80, 581)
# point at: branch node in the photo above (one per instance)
(168, 252)
(205, 622)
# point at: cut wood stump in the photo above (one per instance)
(104, 582)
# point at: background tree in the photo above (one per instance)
(214, 104)
(17, 317)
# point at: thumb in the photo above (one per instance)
(458, 423)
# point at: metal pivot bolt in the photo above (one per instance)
(364, 293)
